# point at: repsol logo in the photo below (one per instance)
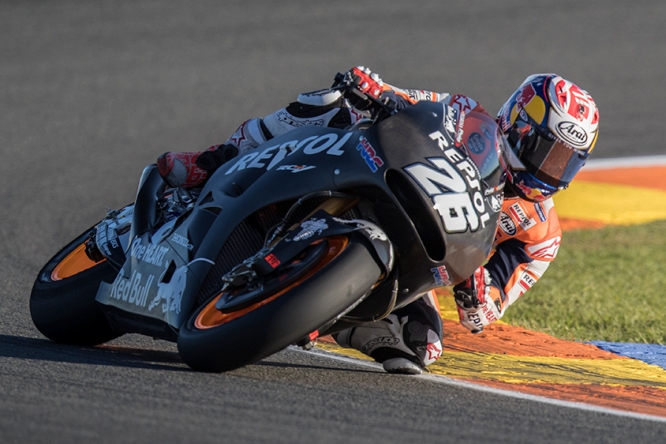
(454, 186)
(268, 158)
(572, 133)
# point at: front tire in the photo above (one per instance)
(62, 302)
(214, 341)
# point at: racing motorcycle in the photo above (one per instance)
(312, 232)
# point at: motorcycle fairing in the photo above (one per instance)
(376, 164)
(452, 166)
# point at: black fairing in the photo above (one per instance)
(417, 183)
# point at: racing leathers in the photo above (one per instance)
(409, 338)
(526, 241)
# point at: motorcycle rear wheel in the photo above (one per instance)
(214, 341)
(62, 302)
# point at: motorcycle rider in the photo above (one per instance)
(551, 126)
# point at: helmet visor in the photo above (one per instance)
(542, 155)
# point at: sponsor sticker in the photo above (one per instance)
(545, 250)
(506, 224)
(441, 275)
(151, 254)
(505, 119)
(239, 136)
(182, 241)
(170, 294)
(519, 215)
(461, 128)
(369, 154)
(476, 143)
(295, 168)
(434, 350)
(526, 94)
(450, 117)
(540, 212)
(382, 341)
(573, 133)
(463, 103)
(419, 94)
(285, 117)
(311, 227)
(495, 202)
(330, 144)
(527, 281)
(133, 290)
(272, 260)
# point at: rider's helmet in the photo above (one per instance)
(551, 127)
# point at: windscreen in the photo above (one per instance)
(485, 144)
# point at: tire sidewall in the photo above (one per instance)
(285, 320)
(66, 311)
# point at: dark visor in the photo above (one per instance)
(546, 158)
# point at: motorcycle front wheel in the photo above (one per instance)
(213, 340)
(62, 302)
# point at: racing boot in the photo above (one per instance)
(406, 341)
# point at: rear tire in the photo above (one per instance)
(62, 302)
(211, 341)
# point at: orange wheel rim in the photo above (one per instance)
(210, 316)
(73, 264)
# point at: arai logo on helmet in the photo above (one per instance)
(572, 133)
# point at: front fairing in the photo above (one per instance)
(444, 169)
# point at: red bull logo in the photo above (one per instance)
(526, 95)
(533, 194)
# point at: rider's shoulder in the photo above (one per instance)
(528, 221)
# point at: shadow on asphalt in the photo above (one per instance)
(45, 350)
(332, 367)
(20, 347)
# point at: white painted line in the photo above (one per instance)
(624, 162)
(482, 388)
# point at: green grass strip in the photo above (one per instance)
(606, 284)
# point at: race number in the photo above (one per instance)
(454, 186)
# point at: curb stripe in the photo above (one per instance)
(624, 162)
(363, 361)
(611, 204)
(651, 353)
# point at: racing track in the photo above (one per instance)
(92, 91)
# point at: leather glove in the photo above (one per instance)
(179, 169)
(190, 169)
(364, 81)
(479, 303)
(367, 81)
(216, 156)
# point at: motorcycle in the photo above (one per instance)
(314, 231)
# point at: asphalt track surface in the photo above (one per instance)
(90, 92)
